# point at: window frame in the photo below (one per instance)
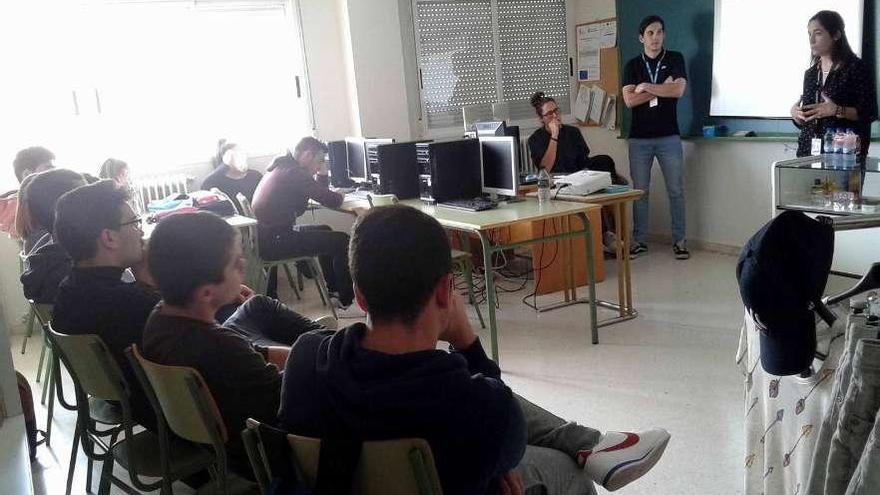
(523, 123)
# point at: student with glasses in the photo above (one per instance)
(561, 149)
(103, 236)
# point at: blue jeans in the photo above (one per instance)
(641, 159)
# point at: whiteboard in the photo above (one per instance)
(761, 49)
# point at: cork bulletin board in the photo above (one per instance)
(609, 78)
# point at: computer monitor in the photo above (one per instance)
(357, 159)
(492, 128)
(398, 169)
(337, 155)
(499, 167)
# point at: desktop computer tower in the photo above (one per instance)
(337, 155)
(371, 151)
(398, 169)
(449, 170)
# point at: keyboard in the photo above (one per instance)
(359, 194)
(474, 204)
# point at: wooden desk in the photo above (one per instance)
(618, 203)
(482, 223)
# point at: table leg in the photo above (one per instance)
(621, 269)
(627, 232)
(488, 249)
(591, 278)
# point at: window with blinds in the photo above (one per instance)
(474, 53)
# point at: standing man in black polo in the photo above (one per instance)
(652, 84)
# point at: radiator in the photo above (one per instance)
(148, 188)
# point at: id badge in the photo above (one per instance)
(815, 147)
(653, 103)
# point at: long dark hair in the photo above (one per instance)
(538, 99)
(832, 22)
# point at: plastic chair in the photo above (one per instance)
(98, 380)
(185, 405)
(388, 467)
(461, 259)
(252, 248)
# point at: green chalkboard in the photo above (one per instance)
(689, 29)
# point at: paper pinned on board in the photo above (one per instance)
(609, 116)
(588, 39)
(597, 104)
(582, 103)
(608, 34)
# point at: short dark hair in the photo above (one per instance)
(397, 254)
(309, 143)
(537, 101)
(30, 159)
(43, 192)
(188, 250)
(83, 213)
(111, 168)
(647, 21)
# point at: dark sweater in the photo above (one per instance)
(246, 185)
(572, 152)
(285, 191)
(45, 267)
(242, 382)
(454, 400)
(97, 301)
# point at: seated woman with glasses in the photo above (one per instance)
(561, 149)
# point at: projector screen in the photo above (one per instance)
(761, 50)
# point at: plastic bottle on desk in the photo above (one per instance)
(828, 141)
(839, 136)
(543, 186)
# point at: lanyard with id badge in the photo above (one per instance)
(816, 141)
(653, 75)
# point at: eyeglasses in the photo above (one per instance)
(555, 111)
(136, 221)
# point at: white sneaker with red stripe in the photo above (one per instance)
(621, 458)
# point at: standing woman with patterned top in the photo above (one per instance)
(839, 89)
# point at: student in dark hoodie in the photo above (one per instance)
(389, 380)
(46, 263)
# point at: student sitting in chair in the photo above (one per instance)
(281, 197)
(97, 227)
(27, 162)
(46, 263)
(197, 262)
(388, 379)
(231, 174)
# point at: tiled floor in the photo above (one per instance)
(671, 367)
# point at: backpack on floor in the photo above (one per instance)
(30, 417)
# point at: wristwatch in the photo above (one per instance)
(841, 112)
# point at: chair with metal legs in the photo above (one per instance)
(252, 249)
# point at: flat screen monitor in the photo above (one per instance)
(493, 128)
(338, 158)
(357, 159)
(499, 166)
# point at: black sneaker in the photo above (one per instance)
(637, 249)
(681, 251)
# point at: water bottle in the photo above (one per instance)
(838, 140)
(828, 141)
(543, 186)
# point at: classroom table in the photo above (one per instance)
(482, 223)
(237, 221)
(618, 203)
